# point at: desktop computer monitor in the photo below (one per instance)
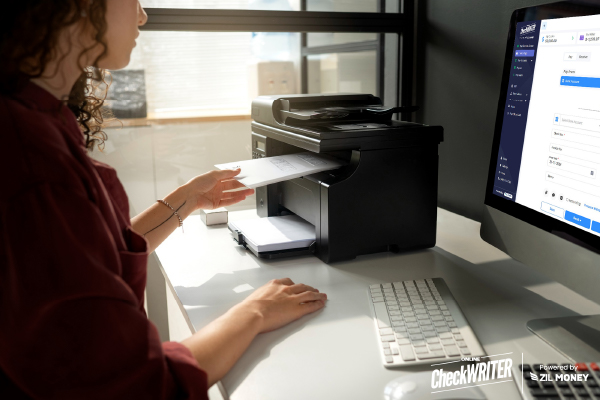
(542, 201)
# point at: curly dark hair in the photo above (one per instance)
(28, 37)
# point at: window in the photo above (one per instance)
(184, 100)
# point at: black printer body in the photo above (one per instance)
(384, 199)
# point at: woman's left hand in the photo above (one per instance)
(213, 189)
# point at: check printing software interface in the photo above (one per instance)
(550, 140)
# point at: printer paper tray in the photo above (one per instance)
(275, 237)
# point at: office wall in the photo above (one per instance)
(461, 52)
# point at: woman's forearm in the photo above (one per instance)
(220, 344)
(158, 221)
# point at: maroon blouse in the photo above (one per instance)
(73, 272)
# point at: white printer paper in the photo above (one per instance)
(275, 233)
(267, 170)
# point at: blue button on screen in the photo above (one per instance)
(578, 219)
(596, 226)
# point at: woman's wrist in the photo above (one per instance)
(248, 315)
(182, 199)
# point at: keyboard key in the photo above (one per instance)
(565, 392)
(433, 340)
(383, 320)
(398, 313)
(406, 309)
(443, 308)
(377, 299)
(408, 314)
(410, 325)
(533, 384)
(525, 367)
(405, 304)
(452, 351)
(581, 392)
(594, 367)
(449, 319)
(434, 312)
(461, 343)
(393, 308)
(437, 318)
(418, 306)
(419, 343)
(389, 359)
(430, 303)
(446, 335)
(401, 335)
(396, 318)
(423, 317)
(386, 285)
(403, 341)
(446, 313)
(410, 319)
(375, 286)
(429, 328)
(395, 351)
(386, 331)
(386, 345)
(431, 308)
(416, 337)
(425, 322)
(452, 324)
(407, 353)
(427, 356)
(447, 342)
(543, 392)
(421, 350)
(455, 330)
(414, 331)
(435, 347)
(388, 338)
(391, 302)
(442, 329)
(429, 334)
(465, 351)
(387, 352)
(421, 312)
(458, 337)
(398, 324)
(439, 323)
(581, 367)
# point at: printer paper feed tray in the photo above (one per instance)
(267, 170)
(275, 233)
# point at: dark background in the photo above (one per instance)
(460, 60)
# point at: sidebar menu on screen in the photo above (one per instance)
(518, 94)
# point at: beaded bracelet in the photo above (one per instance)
(174, 212)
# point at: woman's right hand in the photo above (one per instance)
(281, 301)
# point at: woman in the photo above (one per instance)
(72, 263)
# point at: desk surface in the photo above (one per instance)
(333, 354)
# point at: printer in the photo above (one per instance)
(383, 199)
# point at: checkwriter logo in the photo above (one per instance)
(528, 29)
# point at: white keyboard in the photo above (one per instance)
(419, 322)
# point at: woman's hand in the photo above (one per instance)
(213, 190)
(280, 302)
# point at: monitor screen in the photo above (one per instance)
(546, 156)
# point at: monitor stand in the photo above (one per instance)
(577, 338)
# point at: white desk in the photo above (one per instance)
(333, 353)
